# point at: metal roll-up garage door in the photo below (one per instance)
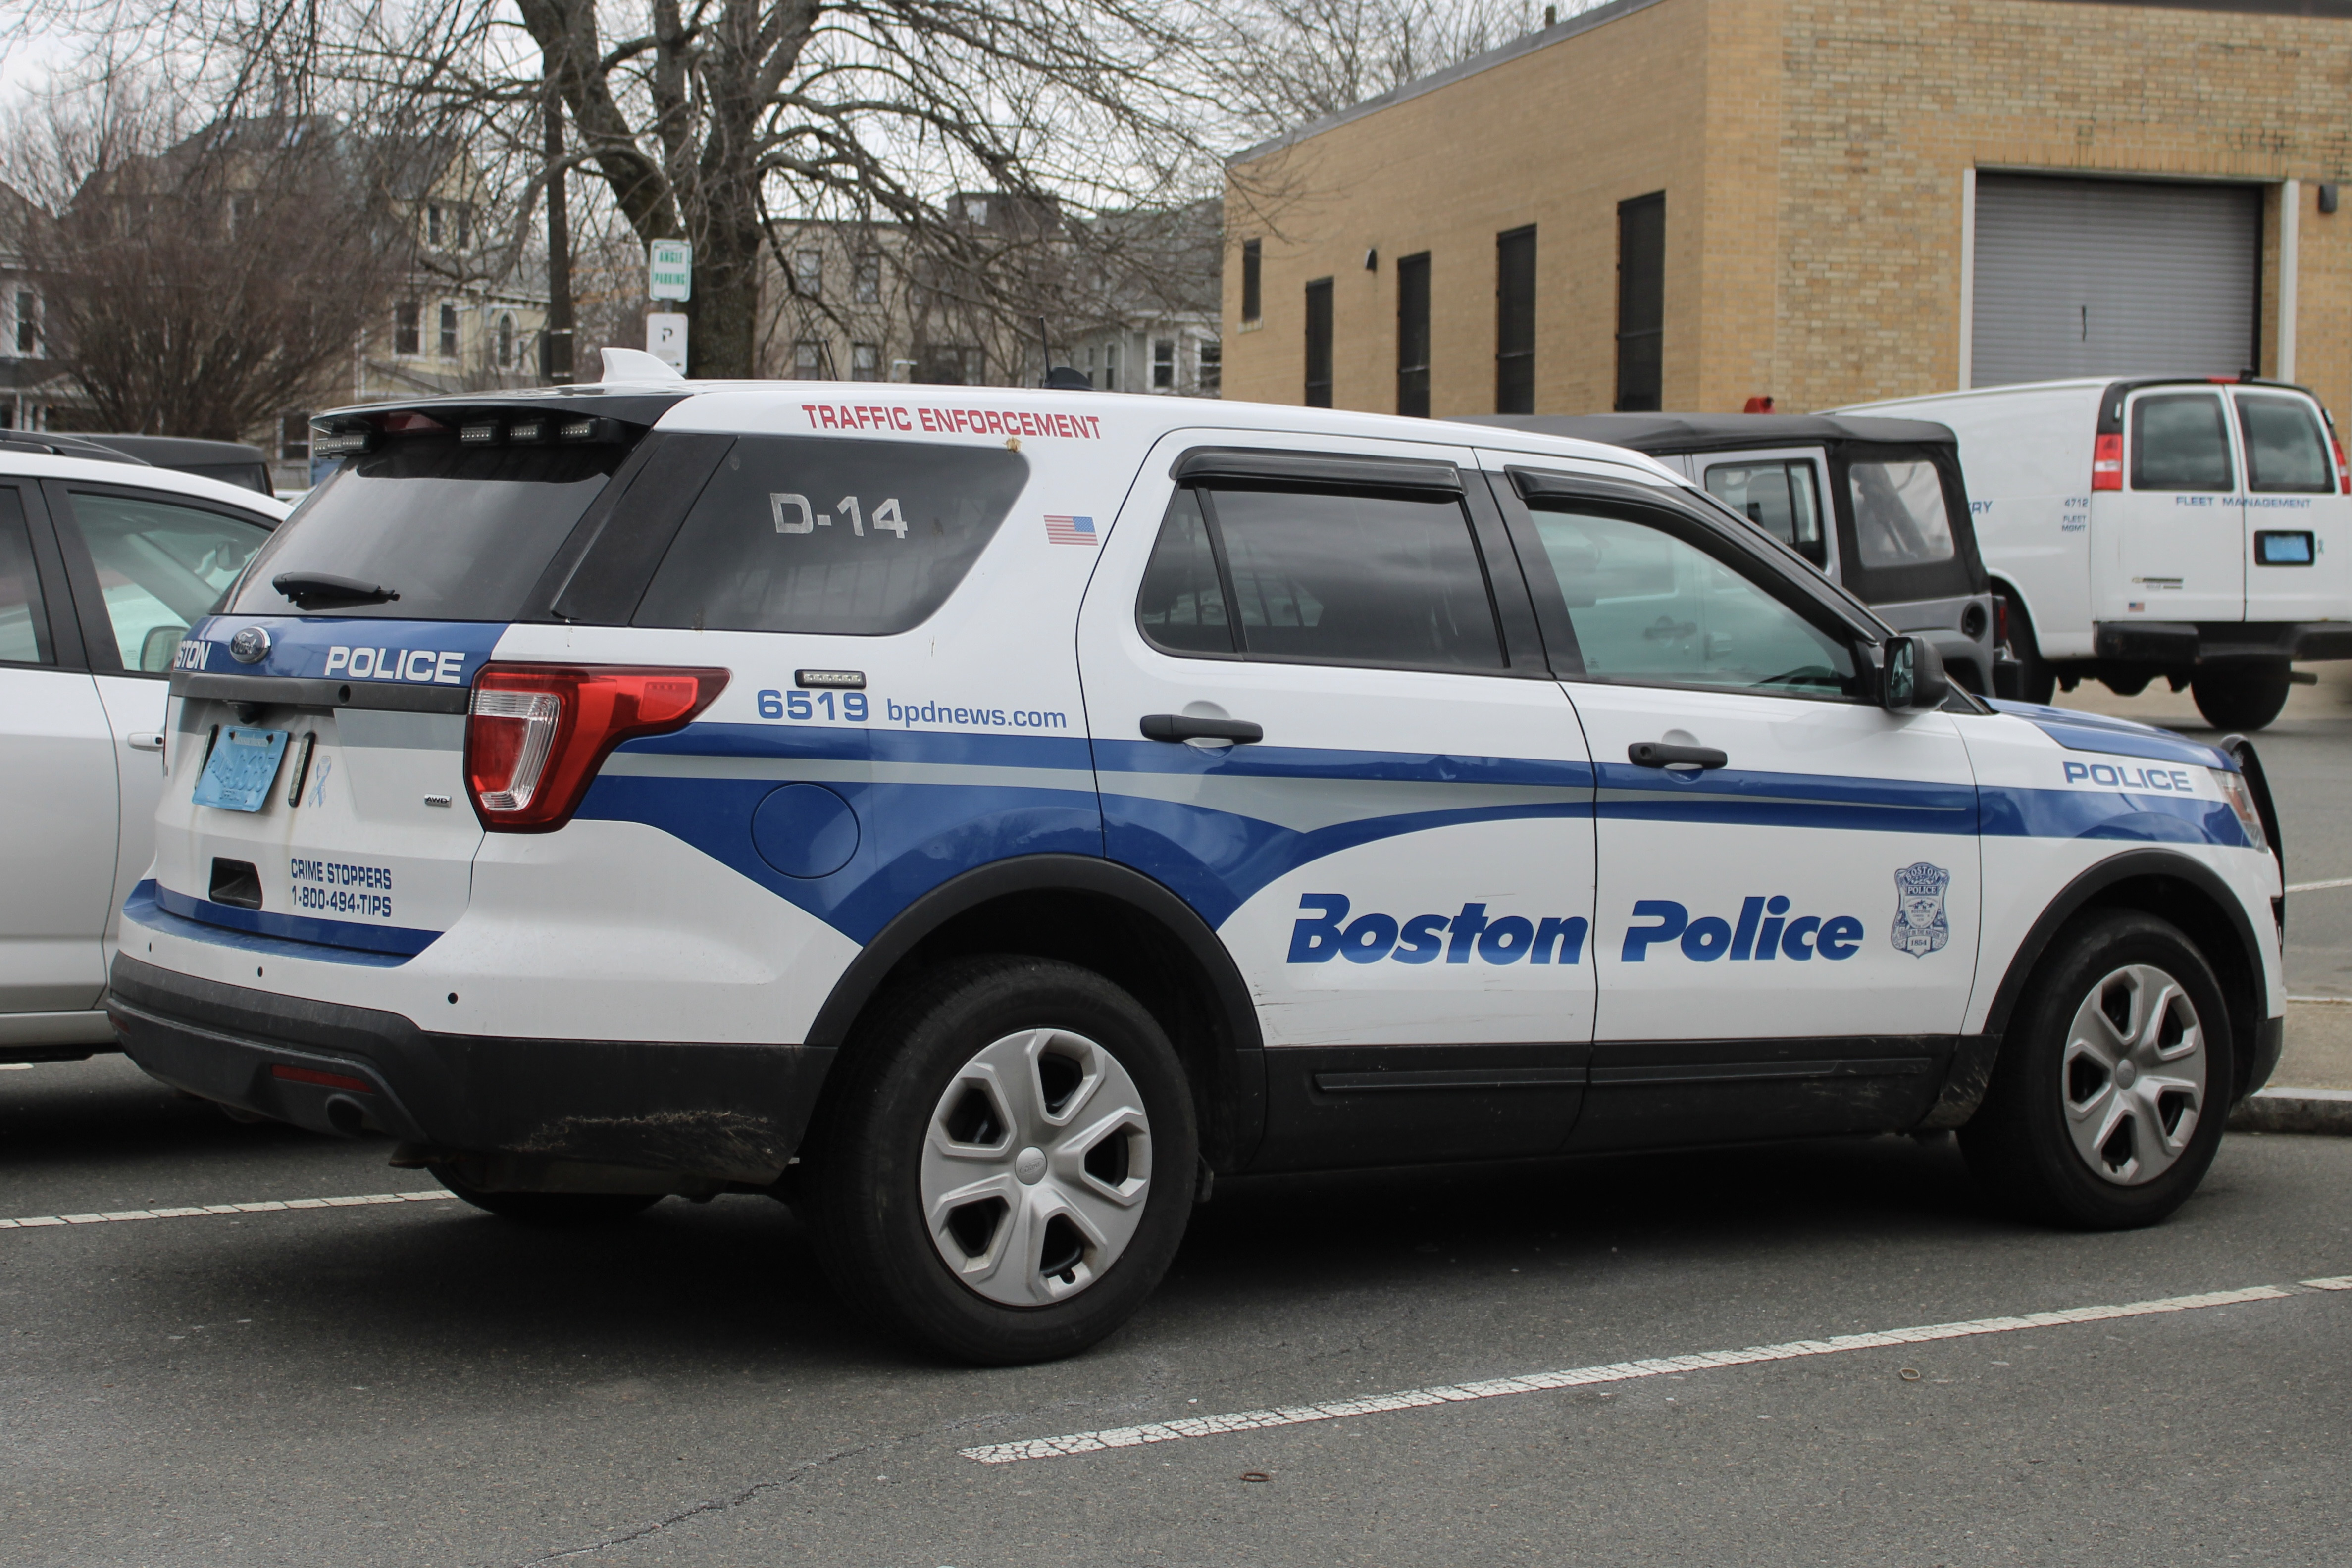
(2102, 277)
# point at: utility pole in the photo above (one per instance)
(557, 365)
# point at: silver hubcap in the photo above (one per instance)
(2134, 1075)
(1035, 1167)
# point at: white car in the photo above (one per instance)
(980, 817)
(2190, 529)
(103, 567)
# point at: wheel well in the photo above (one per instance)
(1127, 946)
(2204, 921)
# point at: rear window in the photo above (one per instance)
(458, 533)
(1900, 514)
(2179, 443)
(2284, 448)
(858, 538)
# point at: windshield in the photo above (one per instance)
(458, 533)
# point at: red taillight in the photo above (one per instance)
(323, 1079)
(2107, 462)
(539, 732)
(2343, 474)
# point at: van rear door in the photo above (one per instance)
(2171, 544)
(2297, 519)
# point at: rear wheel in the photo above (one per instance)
(1006, 1168)
(2031, 679)
(2244, 698)
(551, 1210)
(2107, 1104)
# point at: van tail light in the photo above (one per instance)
(2343, 474)
(2107, 462)
(538, 733)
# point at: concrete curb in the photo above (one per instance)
(2294, 1111)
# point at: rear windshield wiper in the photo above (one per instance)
(319, 590)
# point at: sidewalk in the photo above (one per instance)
(2312, 1090)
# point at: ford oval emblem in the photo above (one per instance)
(250, 646)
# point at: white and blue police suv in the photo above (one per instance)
(979, 817)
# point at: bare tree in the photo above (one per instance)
(1287, 62)
(708, 118)
(201, 282)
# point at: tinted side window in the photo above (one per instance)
(160, 566)
(1899, 516)
(858, 538)
(1182, 605)
(1649, 608)
(24, 626)
(2284, 447)
(1362, 579)
(1778, 497)
(2179, 443)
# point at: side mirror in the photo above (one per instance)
(1911, 677)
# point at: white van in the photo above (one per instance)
(2175, 526)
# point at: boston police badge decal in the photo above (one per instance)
(1920, 928)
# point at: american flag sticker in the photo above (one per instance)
(1070, 531)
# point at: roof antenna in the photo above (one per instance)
(1060, 377)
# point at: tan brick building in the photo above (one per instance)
(1860, 199)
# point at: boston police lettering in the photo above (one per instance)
(1764, 931)
(1328, 934)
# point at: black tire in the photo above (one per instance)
(551, 1210)
(2031, 679)
(866, 1167)
(2021, 1143)
(2242, 699)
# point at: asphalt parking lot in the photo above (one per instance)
(409, 1381)
(414, 1382)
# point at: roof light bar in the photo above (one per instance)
(481, 433)
(526, 431)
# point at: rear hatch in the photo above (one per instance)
(317, 791)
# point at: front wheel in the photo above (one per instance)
(2241, 698)
(2108, 1102)
(1007, 1167)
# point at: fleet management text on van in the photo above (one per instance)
(980, 817)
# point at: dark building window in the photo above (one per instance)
(1164, 364)
(1319, 343)
(867, 282)
(1640, 302)
(294, 438)
(1252, 273)
(1412, 334)
(405, 316)
(1212, 368)
(1514, 322)
(448, 331)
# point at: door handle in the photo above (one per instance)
(1658, 754)
(1184, 727)
(144, 740)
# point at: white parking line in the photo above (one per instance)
(1616, 1371)
(2317, 886)
(270, 1205)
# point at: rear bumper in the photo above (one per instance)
(2183, 644)
(735, 1113)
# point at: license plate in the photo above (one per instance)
(243, 765)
